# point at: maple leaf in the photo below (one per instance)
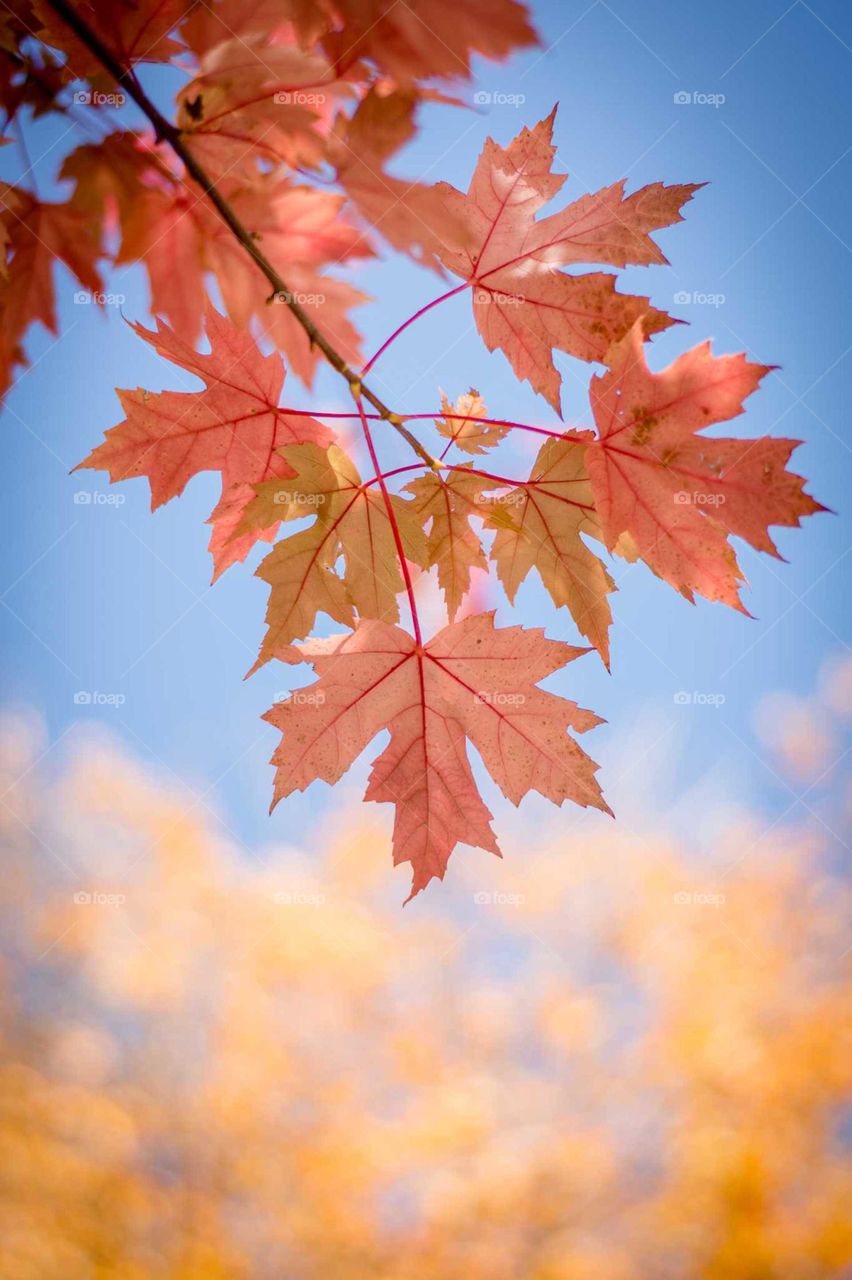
(234, 426)
(471, 681)
(352, 520)
(449, 502)
(460, 424)
(294, 225)
(678, 494)
(121, 183)
(107, 176)
(300, 229)
(33, 79)
(539, 524)
(205, 26)
(435, 38)
(133, 30)
(166, 224)
(226, 546)
(38, 233)
(521, 303)
(255, 101)
(329, 301)
(410, 215)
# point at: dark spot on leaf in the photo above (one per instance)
(643, 425)
(195, 108)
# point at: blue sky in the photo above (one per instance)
(106, 597)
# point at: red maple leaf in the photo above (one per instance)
(36, 235)
(235, 427)
(472, 680)
(133, 31)
(521, 303)
(678, 494)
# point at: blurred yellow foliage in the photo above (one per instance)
(623, 1064)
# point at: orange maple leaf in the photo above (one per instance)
(538, 525)
(448, 503)
(351, 519)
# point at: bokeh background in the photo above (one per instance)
(625, 1056)
(235, 1056)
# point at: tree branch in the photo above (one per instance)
(167, 132)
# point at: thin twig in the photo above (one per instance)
(167, 132)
